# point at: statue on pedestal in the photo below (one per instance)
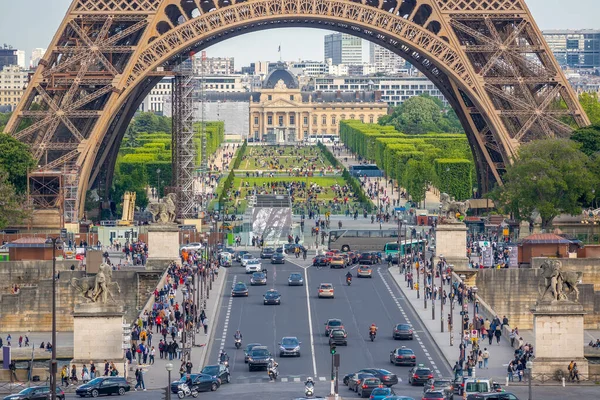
(557, 284)
(96, 289)
(450, 208)
(164, 211)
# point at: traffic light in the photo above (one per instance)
(332, 347)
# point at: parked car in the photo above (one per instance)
(106, 385)
(36, 393)
(192, 246)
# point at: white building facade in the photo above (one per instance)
(384, 61)
(343, 49)
(13, 81)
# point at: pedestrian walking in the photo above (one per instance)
(152, 353)
(92, 370)
(486, 356)
(205, 324)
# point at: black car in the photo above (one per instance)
(267, 252)
(248, 349)
(403, 356)
(201, 382)
(445, 385)
(217, 371)
(290, 248)
(320, 261)
(258, 278)
(278, 258)
(367, 258)
(259, 358)
(107, 385)
(272, 297)
(36, 393)
(419, 375)
(403, 331)
(338, 336)
(367, 386)
(356, 380)
(386, 377)
(393, 258)
(331, 324)
(240, 254)
(295, 279)
(239, 289)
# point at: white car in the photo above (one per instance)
(245, 259)
(253, 265)
(192, 246)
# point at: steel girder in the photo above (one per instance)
(488, 57)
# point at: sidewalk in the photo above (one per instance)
(500, 355)
(156, 376)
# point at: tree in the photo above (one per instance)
(130, 139)
(4, 117)
(12, 205)
(16, 160)
(550, 176)
(591, 106)
(418, 174)
(588, 138)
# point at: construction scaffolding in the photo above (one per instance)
(183, 146)
(70, 184)
(203, 170)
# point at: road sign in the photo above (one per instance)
(473, 333)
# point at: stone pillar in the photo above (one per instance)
(451, 242)
(98, 336)
(163, 246)
(559, 338)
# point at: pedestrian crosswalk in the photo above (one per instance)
(243, 379)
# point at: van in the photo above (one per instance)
(474, 386)
(493, 396)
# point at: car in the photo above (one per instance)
(492, 396)
(248, 349)
(353, 257)
(475, 385)
(320, 261)
(295, 279)
(217, 371)
(245, 258)
(368, 385)
(289, 346)
(272, 297)
(338, 336)
(393, 258)
(434, 395)
(399, 398)
(459, 384)
(36, 393)
(337, 262)
(325, 290)
(267, 252)
(403, 331)
(240, 254)
(278, 258)
(419, 375)
(107, 385)
(259, 358)
(239, 290)
(258, 278)
(253, 265)
(357, 379)
(386, 377)
(364, 271)
(381, 393)
(345, 257)
(192, 246)
(445, 385)
(331, 324)
(201, 382)
(290, 248)
(403, 356)
(367, 258)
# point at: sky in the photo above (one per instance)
(28, 24)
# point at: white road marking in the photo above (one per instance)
(226, 324)
(284, 379)
(322, 379)
(296, 379)
(310, 328)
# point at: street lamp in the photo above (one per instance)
(53, 363)
(399, 238)
(474, 290)
(451, 298)
(442, 264)
(169, 368)
(529, 366)
(158, 184)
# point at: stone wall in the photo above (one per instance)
(31, 308)
(589, 266)
(26, 273)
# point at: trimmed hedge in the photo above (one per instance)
(454, 177)
(328, 156)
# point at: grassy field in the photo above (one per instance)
(270, 158)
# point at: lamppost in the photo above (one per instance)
(158, 184)
(529, 366)
(442, 265)
(451, 298)
(424, 271)
(53, 363)
(474, 290)
(399, 238)
(169, 368)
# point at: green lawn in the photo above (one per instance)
(269, 158)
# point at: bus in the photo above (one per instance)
(370, 170)
(361, 239)
(406, 247)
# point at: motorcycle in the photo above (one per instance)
(183, 390)
(273, 373)
(349, 281)
(372, 335)
(238, 343)
(309, 389)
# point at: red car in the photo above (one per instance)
(434, 395)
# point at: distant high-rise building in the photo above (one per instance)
(13, 81)
(216, 65)
(8, 56)
(343, 49)
(578, 49)
(21, 59)
(383, 60)
(36, 55)
(309, 68)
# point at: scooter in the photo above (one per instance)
(273, 373)
(372, 335)
(348, 281)
(309, 389)
(238, 343)
(183, 390)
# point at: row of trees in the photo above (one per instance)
(417, 160)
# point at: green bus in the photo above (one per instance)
(406, 247)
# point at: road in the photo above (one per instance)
(376, 300)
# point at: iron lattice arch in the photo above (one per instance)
(487, 57)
